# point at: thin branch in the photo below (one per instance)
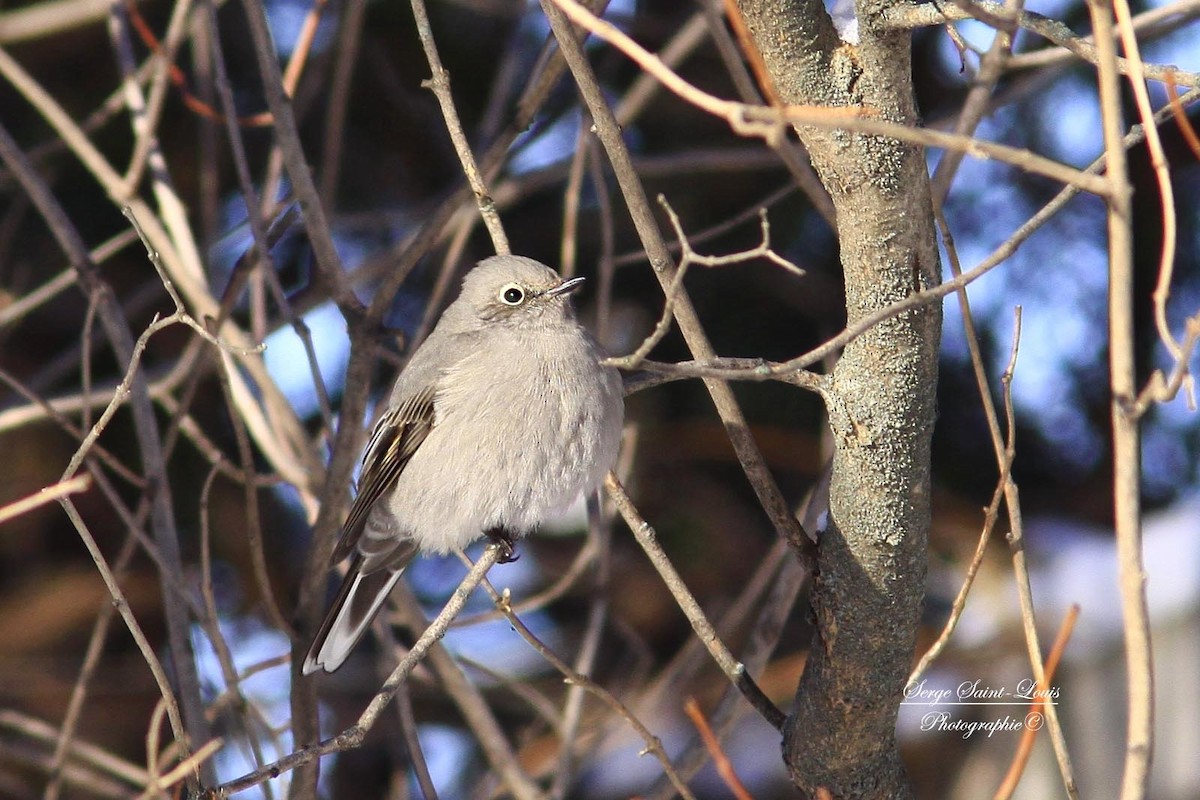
(89, 754)
(752, 211)
(287, 136)
(350, 27)
(645, 87)
(1042, 693)
(720, 760)
(784, 576)
(1181, 118)
(1158, 162)
(991, 515)
(212, 627)
(298, 467)
(1163, 388)
(609, 132)
(145, 430)
(905, 17)
(599, 529)
(159, 782)
(164, 57)
(1005, 450)
(561, 586)
(607, 267)
(733, 669)
(43, 20)
(440, 84)
(263, 236)
(80, 483)
(572, 195)
(353, 736)
(145, 114)
(181, 314)
(790, 151)
(480, 719)
(766, 83)
(653, 743)
(768, 123)
(688, 257)
(1139, 664)
(91, 660)
(408, 724)
(975, 105)
(122, 606)
(64, 280)
(762, 370)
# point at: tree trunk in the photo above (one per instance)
(870, 584)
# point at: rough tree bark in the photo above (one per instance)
(868, 592)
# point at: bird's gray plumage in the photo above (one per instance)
(500, 419)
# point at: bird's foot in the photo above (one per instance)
(504, 538)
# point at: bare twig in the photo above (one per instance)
(1139, 665)
(754, 210)
(599, 530)
(733, 669)
(147, 435)
(563, 584)
(572, 193)
(790, 151)
(440, 84)
(89, 754)
(212, 627)
(408, 724)
(353, 736)
(992, 513)
(1005, 451)
(87, 670)
(287, 135)
(653, 743)
(1042, 696)
(784, 576)
(64, 280)
(762, 370)
(158, 783)
(1185, 125)
(608, 131)
(767, 123)
(607, 266)
(975, 105)
(687, 258)
(263, 236)
(297, 466)
(48, 19)
(720, 760)
(79, 483)
(1158, 162)
(1163, 388)
(350, 26)
(471, 704)
(905, 16)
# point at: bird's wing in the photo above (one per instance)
(396, 437)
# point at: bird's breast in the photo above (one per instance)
(522, 425)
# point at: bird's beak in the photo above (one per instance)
(565, 288)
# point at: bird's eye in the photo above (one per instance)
(512, 295)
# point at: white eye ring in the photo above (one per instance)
(512, 294)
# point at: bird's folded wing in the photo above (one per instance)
(396, 437)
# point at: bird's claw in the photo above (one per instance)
(508, 550)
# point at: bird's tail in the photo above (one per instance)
(358, 600)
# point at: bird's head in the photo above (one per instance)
(516, 291)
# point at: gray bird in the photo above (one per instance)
(501, 418)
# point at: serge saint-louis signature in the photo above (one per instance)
(977, 691)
